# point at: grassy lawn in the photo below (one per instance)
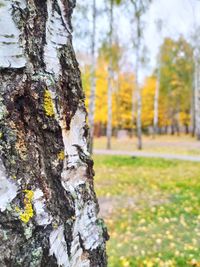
(184, 145)
(152, 210)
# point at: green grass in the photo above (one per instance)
(155, 219)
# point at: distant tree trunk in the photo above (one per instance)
(140, 7)
(197, 99)
(137, 89)
(139, 111)
(172, 129)
(177, 127)
(156, 100)
(48, 208)
(110, 77)
(133, 111)
(186, 129)
(93, 80)
(193, 104)
(159, 25)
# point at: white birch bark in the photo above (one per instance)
(137, 87)
(197, 97)
(91, 113)
(156, 98)
(139, 104)
(110, 78)
(48, 207)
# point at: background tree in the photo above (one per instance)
(196, 82)
(47, 201)
(110, 78)
(121, 101)
(157, 87)
(93, 77)
(110, 70)
(176, 80)
(148, 97)
(140, 7)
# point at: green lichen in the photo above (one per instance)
(48, 104)
(5, 236)
(3, 110)
(36, 257)
(28, 231)
(27, 214)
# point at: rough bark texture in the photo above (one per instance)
(48, 208)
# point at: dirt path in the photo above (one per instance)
(146, 154)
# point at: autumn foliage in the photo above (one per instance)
(175, 90)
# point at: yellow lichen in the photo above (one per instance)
(17, 209)
(48, 104)
(61, 155)
(27, 214)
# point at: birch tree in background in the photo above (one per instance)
(196, 82)
(48, 208)
(110, 77)
(140, 7)
(197, 89)
(93, 78)
(156, 97)
(195, 101)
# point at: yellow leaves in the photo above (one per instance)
(124, 262)
(148, 93)
(184, 118)
(183, 222)
(189, 247)
(48, 104)
(148, 263)
(121, 96)
(169, 235)
(158, 241)
(194, 263)
(174, 88)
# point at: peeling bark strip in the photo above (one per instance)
(48, 208)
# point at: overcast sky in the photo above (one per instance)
(179, 18)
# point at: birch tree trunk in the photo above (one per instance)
(193, 101)
(157, 89)
(137, 87)
(197, 98)
(139, 106)
(192, 109)
(156, 99)
(110, 77)
(140, 8)
(48, 208)
(93, 80)
(133, 110)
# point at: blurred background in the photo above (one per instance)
(140, 65)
